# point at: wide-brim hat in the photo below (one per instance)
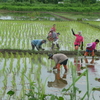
(50, 55)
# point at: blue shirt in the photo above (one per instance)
(37, 43)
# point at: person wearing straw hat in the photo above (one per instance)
(91, 48)
(60, 59)
(79, 40)
(38, 44)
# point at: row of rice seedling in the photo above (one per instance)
(97, 23)
(25, 74)
(18, 34)
(18, 72)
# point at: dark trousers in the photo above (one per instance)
(33, 46)
(64, 62)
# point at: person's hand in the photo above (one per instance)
(54, 67)
(95, 50)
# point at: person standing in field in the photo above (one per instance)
(91, 48)
(79, 40)
(55, 40)
(38, 44)
(60, 59)
(53, 28)
(53, 37)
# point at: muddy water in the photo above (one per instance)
(42, 67)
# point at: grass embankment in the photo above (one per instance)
(50, 7)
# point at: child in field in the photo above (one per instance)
(53, 28)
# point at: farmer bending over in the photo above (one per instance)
(78, 41)
(37, 44)
(91, 48)
(60, 59)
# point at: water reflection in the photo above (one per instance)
(91, 67)
(91, 19)
(6, 18)
(26, 16)
(59, 81)
(78, 63)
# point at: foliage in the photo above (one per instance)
(10, 92)
(50, 6)
(61, 7)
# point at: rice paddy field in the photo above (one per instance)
(30, 77)
(97, 23)
(18, 34)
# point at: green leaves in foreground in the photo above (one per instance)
(10, 92)
(96, 89)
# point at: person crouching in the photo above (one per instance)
(60, 59)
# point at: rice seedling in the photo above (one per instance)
(73, 89)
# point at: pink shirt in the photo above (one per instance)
(92, 47)
(54, 29)
(78, 39)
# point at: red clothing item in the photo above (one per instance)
(78, 39)
(54, 29)
(93, 47)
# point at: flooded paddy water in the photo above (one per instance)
(16, 74)
(21, 15)
(31, 76)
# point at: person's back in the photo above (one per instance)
(37, 43)
(54, 35)
(58, 58)
(79, 38)
(92, 47)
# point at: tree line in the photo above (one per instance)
(52, 1)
